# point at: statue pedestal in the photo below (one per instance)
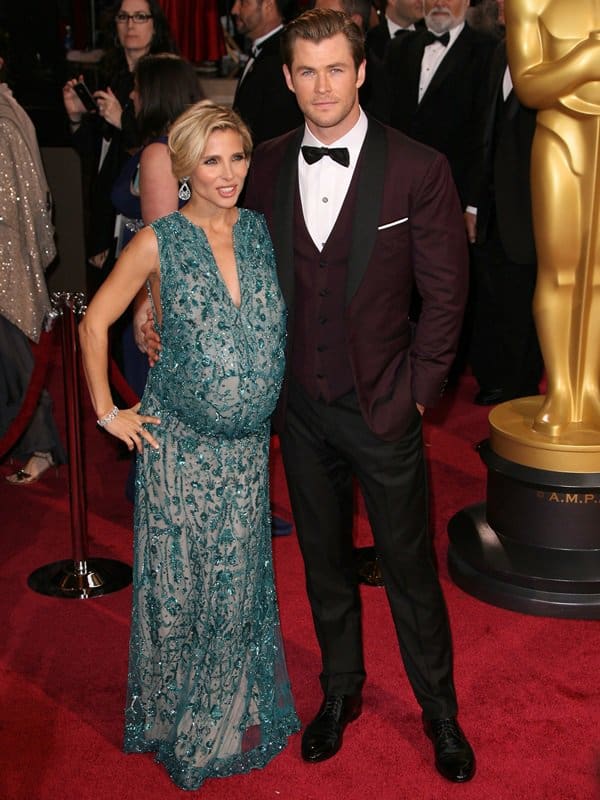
(534, 546)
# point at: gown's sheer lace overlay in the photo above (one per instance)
(208, 689)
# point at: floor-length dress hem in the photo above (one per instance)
(193, 778)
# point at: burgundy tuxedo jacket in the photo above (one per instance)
(408, 230)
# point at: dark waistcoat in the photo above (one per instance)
(320, 361)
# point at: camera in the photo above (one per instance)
(86, 97)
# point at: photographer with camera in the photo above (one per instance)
(102, 122)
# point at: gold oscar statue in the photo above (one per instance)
(534, 545)
(554, 56)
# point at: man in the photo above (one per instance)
(400, 17)
(505, 355)
(437, 80)
(483, 16)
(26, 250)
(350, 239)
(262, 98)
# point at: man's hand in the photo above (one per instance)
(420, 408)
(99, 259)
(147, 339)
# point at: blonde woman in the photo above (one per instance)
(208, 690)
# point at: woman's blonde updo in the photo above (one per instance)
(190, 132)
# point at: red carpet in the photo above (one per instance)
(528, 686)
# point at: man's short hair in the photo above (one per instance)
(317, 25)
(360, 7)
(288, 9)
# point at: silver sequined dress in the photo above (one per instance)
(208, 688)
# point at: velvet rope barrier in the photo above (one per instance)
(41, 352)
(80, 576)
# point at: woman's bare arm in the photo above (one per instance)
(136, 264)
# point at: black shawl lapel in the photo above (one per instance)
(413, 71)
(510, 106)
(495, 91)
(497, 68)
(283, 216)
(372, 164)
(451, 59)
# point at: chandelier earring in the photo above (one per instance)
(184, 190)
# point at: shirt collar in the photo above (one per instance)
(353, 140)
(258, 43)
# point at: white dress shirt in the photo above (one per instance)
(433, 56)
(324, 184)
(507, 84)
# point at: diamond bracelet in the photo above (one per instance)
(107, 418)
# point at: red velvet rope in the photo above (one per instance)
(41, 352)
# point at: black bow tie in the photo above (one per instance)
(338, 154)
(431, 38)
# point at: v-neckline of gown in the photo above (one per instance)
(214, 260)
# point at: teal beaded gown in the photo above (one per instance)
(208, 690)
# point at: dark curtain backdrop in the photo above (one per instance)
(196, 28)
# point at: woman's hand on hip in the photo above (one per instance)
(128, 426)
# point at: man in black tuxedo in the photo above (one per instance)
(437, 81)
(359, 213)
(401, 16)
(262, 98)
(505, 354)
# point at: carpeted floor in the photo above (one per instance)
(528, 686)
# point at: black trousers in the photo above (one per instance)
(505, 353)
(323, 447)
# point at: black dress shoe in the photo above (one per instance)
(489, 397)
(323, 736)
(368, 566)
(454, 757)
(370, 573)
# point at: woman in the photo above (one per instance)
(164, 86)
(26, 250)
(137, 27)
(208, 688)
